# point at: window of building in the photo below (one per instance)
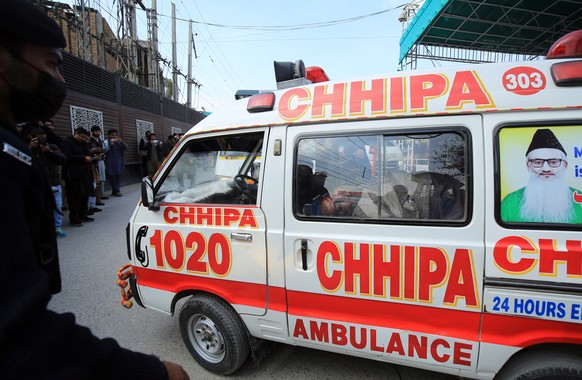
(400, 177)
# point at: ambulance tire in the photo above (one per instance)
(214, 334)
(543, 365)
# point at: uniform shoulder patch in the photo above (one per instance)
(16, 153)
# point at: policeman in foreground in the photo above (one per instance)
(34, 341)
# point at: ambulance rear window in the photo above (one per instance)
(397, 178)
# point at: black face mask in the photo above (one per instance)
(42, 102)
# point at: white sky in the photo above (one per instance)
(232, 58)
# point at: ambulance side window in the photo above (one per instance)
(216, 170)
(412, 177)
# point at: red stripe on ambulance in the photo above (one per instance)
(458, 324)
(235, 292)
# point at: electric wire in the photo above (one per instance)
(232, 70)
(209, 46)
(219, 89)
(297, 26)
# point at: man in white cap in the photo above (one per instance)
(35, 342)
(546, 198)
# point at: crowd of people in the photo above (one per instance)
(78, 167)
(36, 342)
(153, 151)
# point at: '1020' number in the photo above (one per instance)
(214, 255)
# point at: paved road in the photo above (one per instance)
(90, 257)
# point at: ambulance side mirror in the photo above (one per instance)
(147, 194)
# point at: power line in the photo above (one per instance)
(224, 64)
(292, 27)
(209, 46)
(232, 70)
(226, 40)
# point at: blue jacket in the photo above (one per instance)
(115, 160)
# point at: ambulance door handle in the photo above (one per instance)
(304, 254)
(241, 236)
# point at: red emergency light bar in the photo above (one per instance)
(316, 74)
(293, 74)
(567, 73)
(568, 46)
(261, 102)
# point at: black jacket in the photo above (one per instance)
(52, 162)
(76, 168)
(37, 343)
(149, 146)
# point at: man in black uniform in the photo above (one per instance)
(78, 175)
(34, 341)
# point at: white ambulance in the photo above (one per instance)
(427, 218)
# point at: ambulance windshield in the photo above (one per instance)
(218, 170)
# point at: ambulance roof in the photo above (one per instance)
(495, 87)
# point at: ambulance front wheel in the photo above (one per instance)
(214, 334)
(543, 365)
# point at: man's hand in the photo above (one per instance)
(175, 371)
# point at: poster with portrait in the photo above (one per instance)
(540, 174)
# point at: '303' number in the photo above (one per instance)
(524, 80)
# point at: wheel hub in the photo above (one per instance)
(206, 338)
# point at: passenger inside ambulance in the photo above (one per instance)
(333, 162)
(312, 197)
(370, 178)
(421, 195)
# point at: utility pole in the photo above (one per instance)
(174, 55)
(125, 34)
(153, 69)
(132, 42)
(408, 13)
(100, 44)
(122, 63)
(84, 37)
(190, 45)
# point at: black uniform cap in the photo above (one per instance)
(544, 138)
(22, 21)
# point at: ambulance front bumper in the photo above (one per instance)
(128, 283)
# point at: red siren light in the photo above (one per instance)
(568, 73)
(316, 74)
(568, 46)
(261, 102)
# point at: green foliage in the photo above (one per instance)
(169, 88)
